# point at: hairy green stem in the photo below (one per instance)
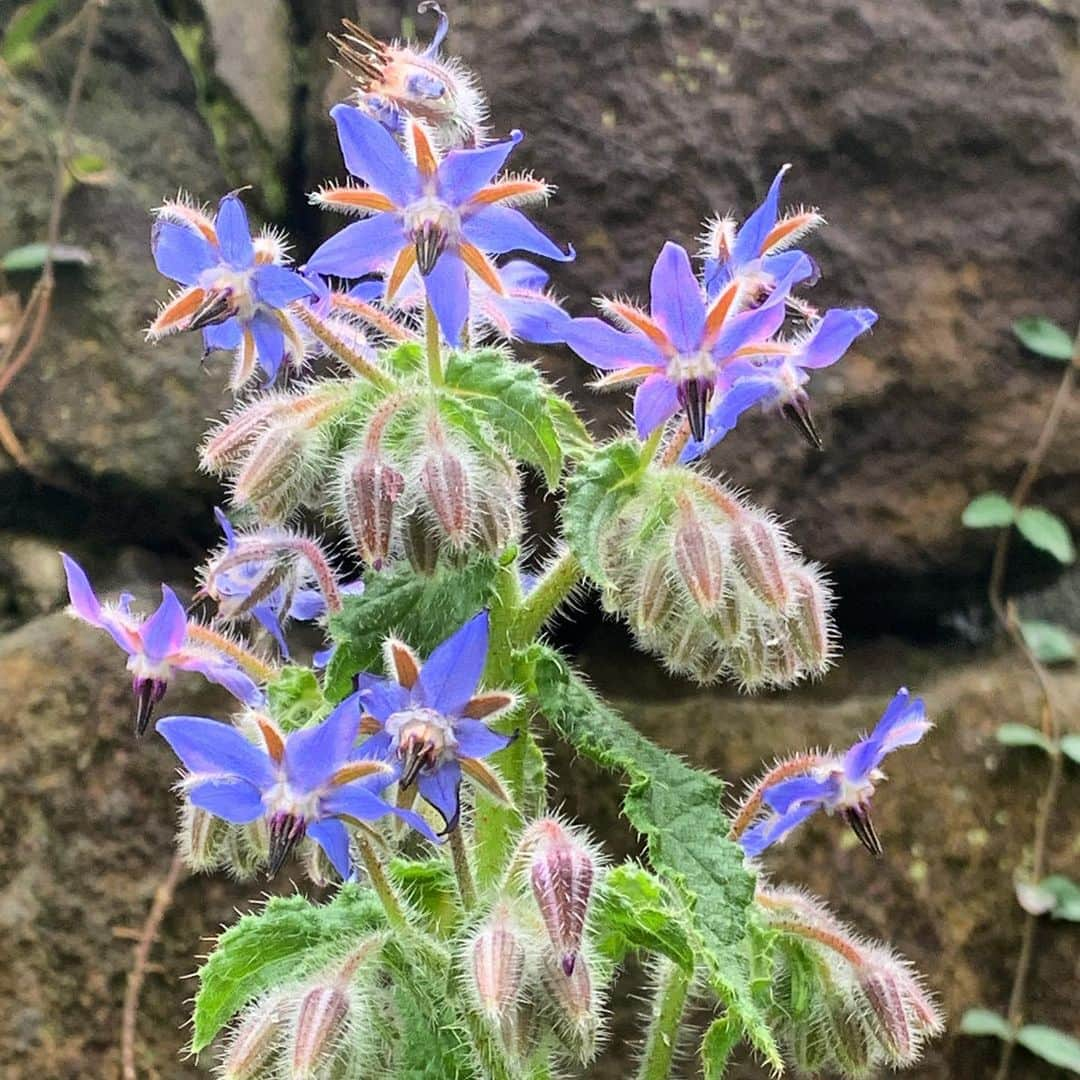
(557, 583)
(493, 1057)
(460, 858)
(395, 913)
(434, 352)
(669, 1001)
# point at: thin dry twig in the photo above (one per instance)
(163, 897)
(32, 323)
(1006, 614)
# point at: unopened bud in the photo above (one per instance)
(498, 969)
(244, 849)
(890, 1019)
(201, 837)
(229, 442)
(446, 483)
(371, 487)
(657, 598)
(272, 475)
(700, 559)
(572, 997)
(498, 515)
(750, 662)
(255, 1041)
(421, 541)
(729, 619)
(561, 874)
(809, 624)
(757, 547)
(846, 1037)
(321, 1023)
(691, 644)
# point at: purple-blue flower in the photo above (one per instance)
(306, 783)
(841, 784)
(682, 348)
(155, 645)
(234, 290)
(445, 216)
(430, 717)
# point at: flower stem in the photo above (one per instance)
(460, 857)
(434, 352)
(551, 590)
(669, 1001)
(256, 668)
(395, 913)
(341, 350)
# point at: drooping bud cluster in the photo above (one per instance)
(841, 1002)
(714, 586)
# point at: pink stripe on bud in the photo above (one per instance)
(700, 559)
(809, 623)
(890, 1021)
(372, 486)
(759, 550)
(498, 967)
(561, 874)
(320, 1025)
(446, 484)
(256, 1040)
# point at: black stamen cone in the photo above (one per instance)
(286, 831)
(412, 763)
(861, 825)
(145, 699)
(695, 396)
(430, 241)
(216, 308)
(798, 412)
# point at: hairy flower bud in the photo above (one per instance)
(321, 1023)
(757, 545)
(891, 1025)
(561, 874)
(656, 598)
(231, 440)
(809, 624)
(371, 487)
(497, 969)
(422, 542)
(498, 514)
(700, 558)
(256, 1039)
(273, 476)
(201, 837)
(446, 483)
(574, 1002)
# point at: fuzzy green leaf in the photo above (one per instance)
(428, 885)
(988, 511)
(287, 939)
(1050, 644)
(1023, 735)
(404, 359)
(635, 911)
(1070, 747)
(985, 1022)
(720, 1040)
(1044, 337)
(1047, 532)
(296, 699)
(594, 494)
(677, 809)
(425, 610)
(514, 398)
(32, 257)
(1051, 1045)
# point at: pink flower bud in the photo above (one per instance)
(574, 1002)
(498, 967)
(757, 546)
(321, 1023)
(446, 482)
(228, 443)
(255, 1041)
(561, 874)
(809, 624)
(890, 1018)
(421, 541)
(656, 599)
(272, 475)
(371, 487)
(201, 837)
(700, 559)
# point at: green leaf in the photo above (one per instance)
(404, 359)
(722, 1037)
(677, 809)
(32, 257)
(635, 911)
(17, 46)
(1066, 894)
(1023, 735)
(424, 610)
(1051, 1045)
(1050, 644)
(514, 398)
(296, 699)
(594, 494)
(985, 1022)
(1070, 747)
(1044, 337)
(988, 511)
(287, 939)
(428, 885)
(1047, 532)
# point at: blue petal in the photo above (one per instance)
(220, 670)
(771, 830)
(496, 229)
(269, 343)
(415, 821)
(476, 740)
(81, 593)
(277, 286)
(523, 275)
(356, 801)
(233, 800)
(750, 239)
(367, 290)
(226, 527)
(378, 747)
(748, 328)
(463, 173)
(442, 789)
(226, 335)
(655, 401)
(360, 248)
(207, 746)
(180, 253)
(381, 697)
(333, 838)
(604, 347)
(540, 321)
(313, 755)
(677, 303)
(799, 789)
(234, 233)
(903, 723)
(450, 675)
(267, 617)
(726, 412)
(164, 632)
(833, 335)
(373, 155)
(447, 289)
(307, 604)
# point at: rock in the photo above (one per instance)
(31, 577)
(941, 141)
(106, 419)
(956, 818)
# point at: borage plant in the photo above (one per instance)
(471, 931)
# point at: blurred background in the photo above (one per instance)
(941, 138)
